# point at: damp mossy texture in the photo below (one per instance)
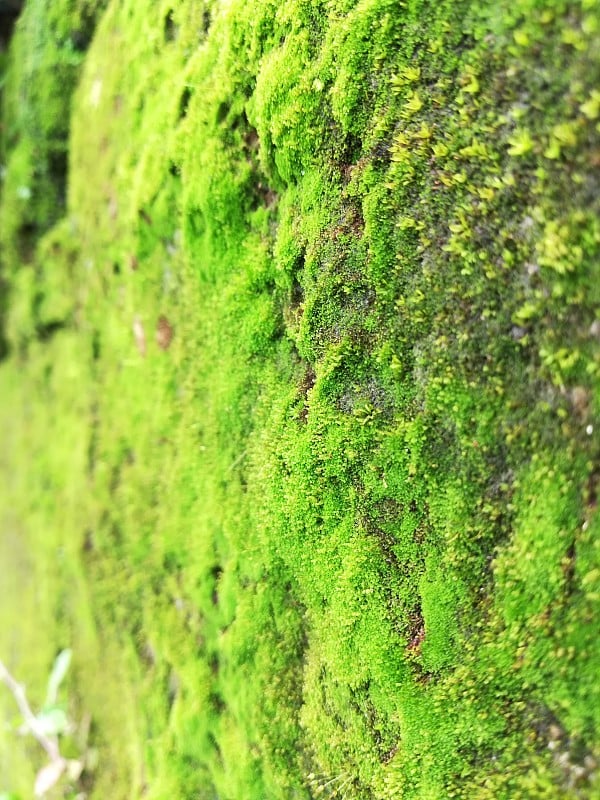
(300, 395)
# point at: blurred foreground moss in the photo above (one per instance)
(301, 408)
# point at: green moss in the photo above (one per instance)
(302, 398)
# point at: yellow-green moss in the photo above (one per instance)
(337, 537)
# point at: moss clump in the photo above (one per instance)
(338, 528)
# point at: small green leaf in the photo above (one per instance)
(591, 108)
(527, 312)
(472, 87)
(521, 37)
(591, 577)
(52, 721)
(59, 670)
(413, 105)
(565, 133)
(520, 143)
(406, 76)
(440, 150)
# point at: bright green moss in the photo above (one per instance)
(302, 400)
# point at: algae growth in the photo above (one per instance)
(300, 394)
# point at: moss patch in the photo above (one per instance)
(302, 393)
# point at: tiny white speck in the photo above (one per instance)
(589, 430)
(96, 93)
(585, 525)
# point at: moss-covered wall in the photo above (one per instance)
(302, 399)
